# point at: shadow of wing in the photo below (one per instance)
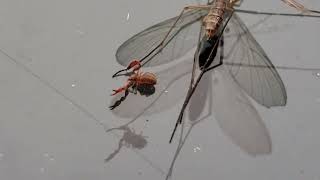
(237, 117)
(199, 98)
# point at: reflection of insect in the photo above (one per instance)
(243, 58)
(130, 139)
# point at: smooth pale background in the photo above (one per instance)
(56, 62)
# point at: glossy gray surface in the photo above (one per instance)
(56, 62)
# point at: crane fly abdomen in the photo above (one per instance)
(206, 54)
(212, 22)
(214, 18)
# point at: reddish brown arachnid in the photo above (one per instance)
(137, 79)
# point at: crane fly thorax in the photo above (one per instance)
(214, 18)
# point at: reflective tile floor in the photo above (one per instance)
(56, 62)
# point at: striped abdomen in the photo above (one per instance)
(214, 18)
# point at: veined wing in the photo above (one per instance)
(182, 39)
(250, 66)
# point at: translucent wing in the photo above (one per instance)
(250, 66)
(237, 117)
(182, 39)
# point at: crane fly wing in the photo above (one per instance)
(233, 110)
(182, 39)
(170, 88)
(250, 66)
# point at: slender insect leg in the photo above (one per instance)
(236, 3)
(183, 139)
(186, 101)
(191, 82)
(193, 73)
(220, 58)
(278, 14)
(196, 54)
(191, 91)
(298, 6)
(118, 102)
(184, 9)
(222, 48)
(161, 44)
(200, 76)
(314, 11)
(189, 95)
(194, 63)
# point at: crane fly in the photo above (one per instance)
(212, 30)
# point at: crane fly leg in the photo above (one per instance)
(179, 17)
(195, 59)
(192, 89)
(192, 76)
(236, 3)
(305, 12)
(221, 56)
(296, 5)
(161, 44)
(279, 14)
